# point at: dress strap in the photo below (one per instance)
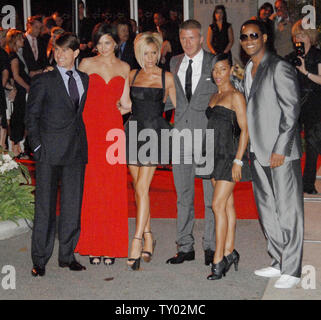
(137, 71)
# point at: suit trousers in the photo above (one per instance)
(71, 179)
(184, 179)
(279, 199)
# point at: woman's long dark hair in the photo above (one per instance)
(102, 29)
(265, 5)
(220, 7)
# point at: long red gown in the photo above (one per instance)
(104, 217)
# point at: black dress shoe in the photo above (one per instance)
(209, 256)
(310, 190)
(38, 271)
(181, 257)
(73, 266)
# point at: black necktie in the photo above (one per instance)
(188, 81)
(73, 90)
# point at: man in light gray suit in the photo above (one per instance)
(194, 87)
(273, 109)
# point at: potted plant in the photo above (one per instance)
(16, 195)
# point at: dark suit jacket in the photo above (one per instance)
(33, 64)
(128, 56)
(52, 121)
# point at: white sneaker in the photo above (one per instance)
(286, 282)
(268, 272)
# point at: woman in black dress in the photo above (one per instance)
(5, 88)
(19, 73)
(227, 116)
(220, 37)
(150, 87)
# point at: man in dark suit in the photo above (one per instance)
(126, 48)
(58, 139)
(34, 50)
(194, 87)
(273, 108)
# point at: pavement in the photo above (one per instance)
(157, 280)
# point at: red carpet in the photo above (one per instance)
(163, 196)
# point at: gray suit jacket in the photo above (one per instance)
(273, 108)
(192, 114)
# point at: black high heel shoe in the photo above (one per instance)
(95, 260)
(233, 257)
(146, 255)
(136, 264)
(108, 261)
(218, 270)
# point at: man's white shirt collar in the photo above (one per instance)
(197, 58)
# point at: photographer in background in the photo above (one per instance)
(307, 59)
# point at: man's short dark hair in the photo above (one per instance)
(123, 21)
(68, 40)
(190, 24)
(258, 23)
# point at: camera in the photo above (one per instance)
(299, 52)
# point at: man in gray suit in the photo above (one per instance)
(194, 87)
(273, 108)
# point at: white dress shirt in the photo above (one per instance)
(196, 69)
(248, 85)
(249, 79)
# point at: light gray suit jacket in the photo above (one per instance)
(273, 108)
(191, 114)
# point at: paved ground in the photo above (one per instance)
(155, 280)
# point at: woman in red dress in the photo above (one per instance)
(104, 218)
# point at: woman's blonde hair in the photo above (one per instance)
(144, 39)
(13, 35)
(313, 34)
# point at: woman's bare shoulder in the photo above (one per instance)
(87, 64)
(238, 99)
